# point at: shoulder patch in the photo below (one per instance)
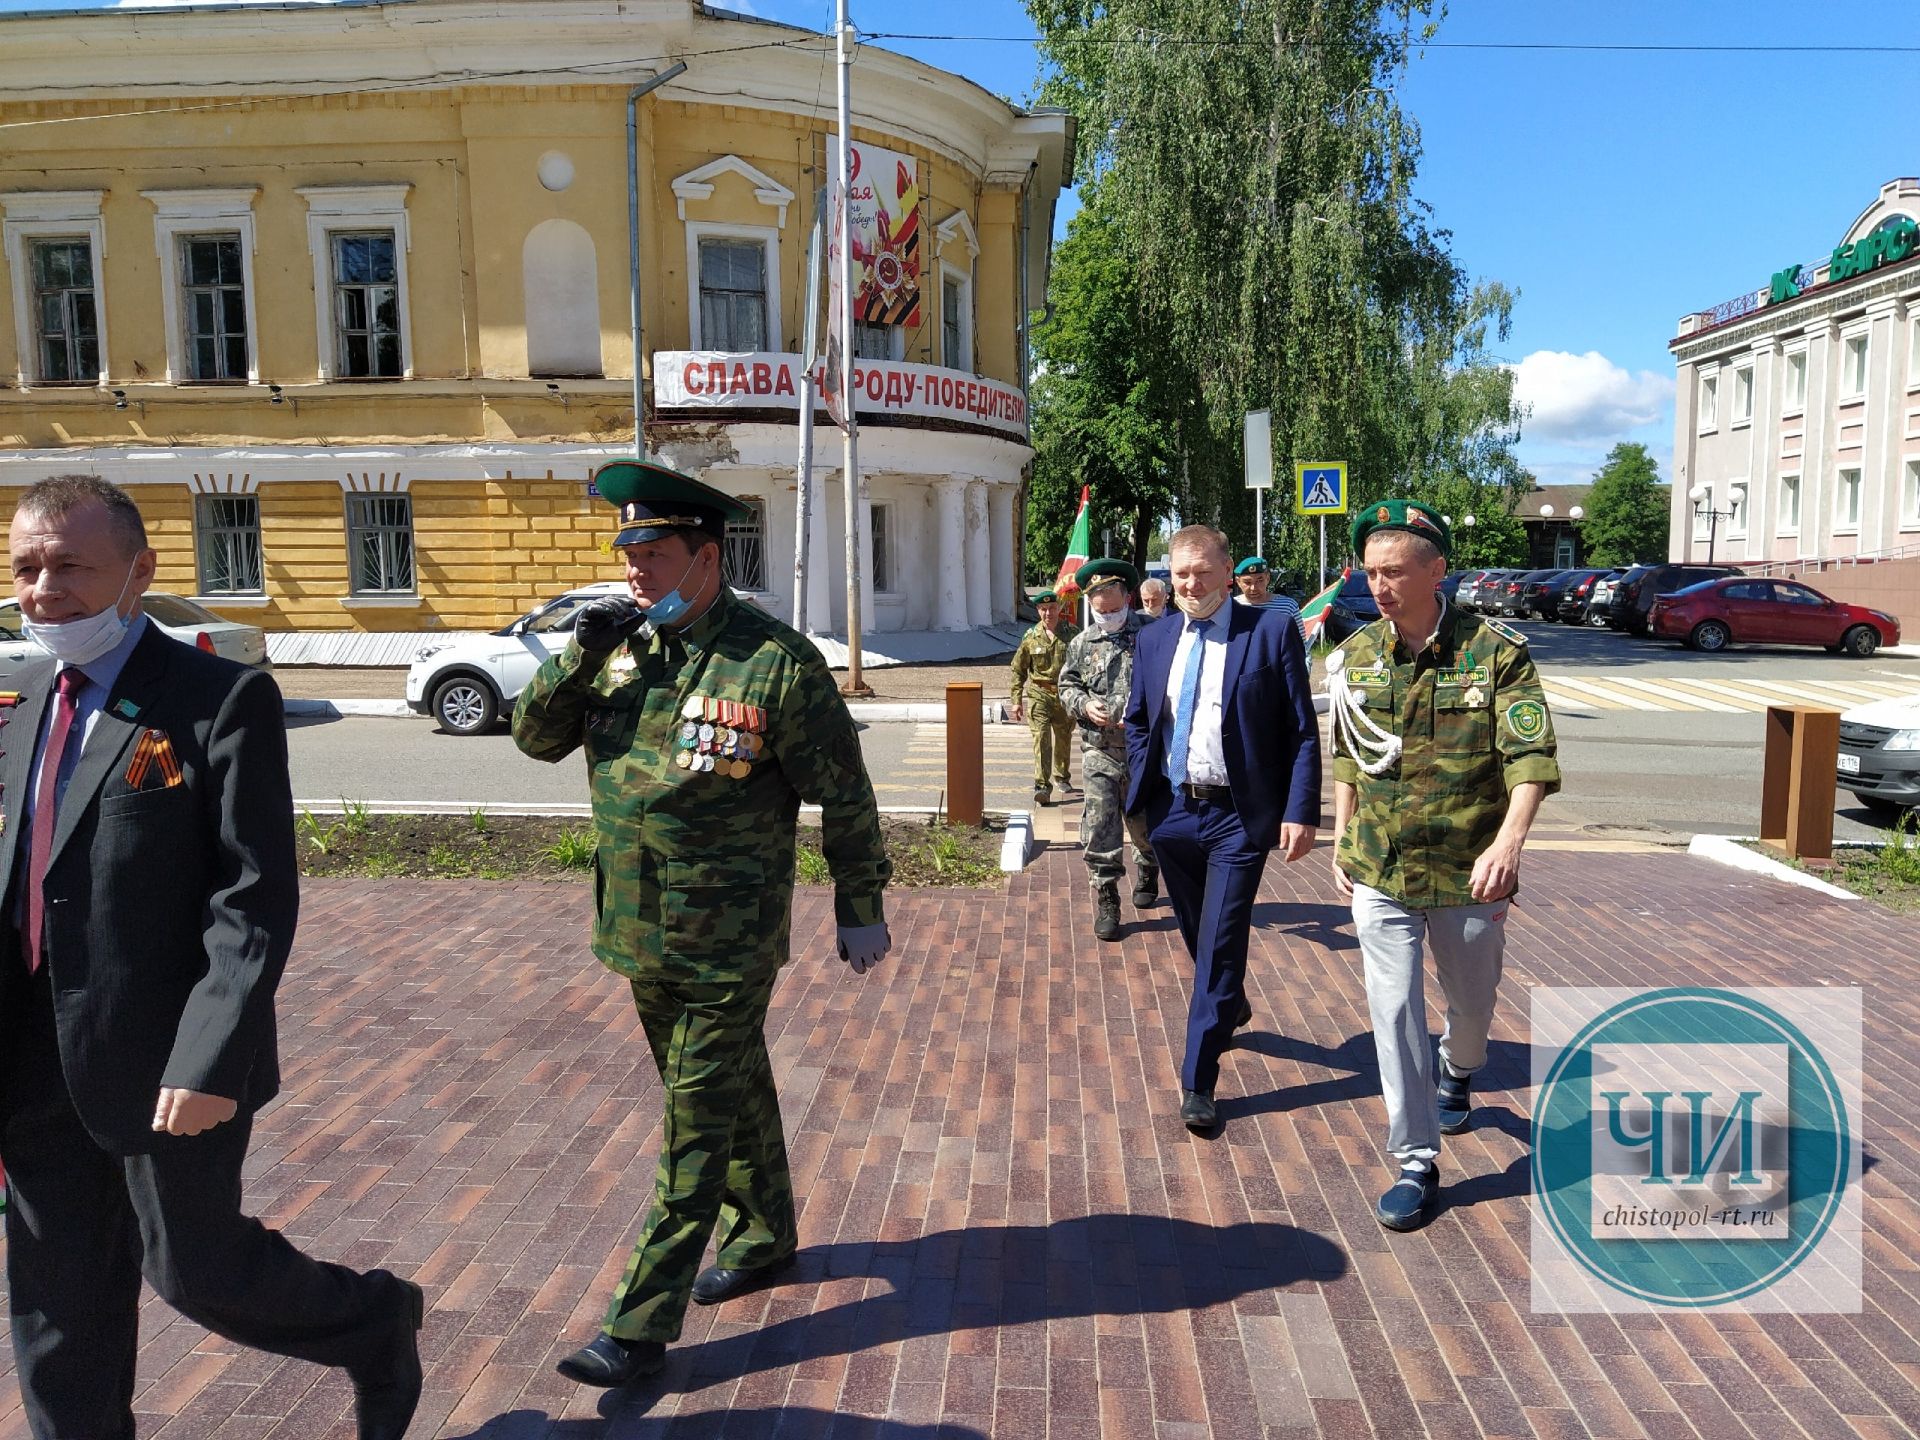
(1527, 719)
(1505, 631)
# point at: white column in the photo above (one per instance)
(1000, 543)
(979, 564)
(819, 559)
(950, 549)
(869, 623)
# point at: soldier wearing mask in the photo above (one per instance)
(705, 724)
(1034, 688)
(1094, 683)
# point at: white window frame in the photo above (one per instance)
(1794, 391)
(1789, 524)
(332, 208)
(51, 215)
(1852, 386)
(200, 505)
(962, 280)
(1709, 416)
(896, 341)
(354, 591)
(182, 214)
(1913, 353)
(769, 237)
(1737, 504)
(1742, 396)
(1910, 495)
(760, 507)
(1844, 524)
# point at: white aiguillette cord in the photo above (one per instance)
(1359, 734)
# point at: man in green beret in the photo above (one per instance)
(705, 724)
(1443, 750)
(1035, 686)
(1094, 684)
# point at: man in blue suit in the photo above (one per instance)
(1223, 756)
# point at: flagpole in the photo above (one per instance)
(804, 621)
(843, 49)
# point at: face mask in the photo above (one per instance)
(76, 642)
(671, 608)
(1200, 609)
(1111, 620)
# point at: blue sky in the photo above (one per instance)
(1614, 191)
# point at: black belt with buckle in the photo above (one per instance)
(1209, 794)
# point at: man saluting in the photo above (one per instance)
(705, 724)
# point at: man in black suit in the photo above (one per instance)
(146, 837)
(1223, 756)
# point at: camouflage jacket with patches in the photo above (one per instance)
(1473, 723)
(1041, 654)
(695, 867)
(1099, 666)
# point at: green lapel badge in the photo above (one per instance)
(126, 709)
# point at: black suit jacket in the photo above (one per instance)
(170, 909)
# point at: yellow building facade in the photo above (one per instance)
(342, 292)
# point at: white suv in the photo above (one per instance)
(466, 681)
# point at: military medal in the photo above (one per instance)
(1475, 698)
(741, 770)
(684, 759)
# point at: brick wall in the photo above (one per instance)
(1889, 585)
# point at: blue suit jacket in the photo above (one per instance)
(1267, 724)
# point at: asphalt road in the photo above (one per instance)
(1652, 737)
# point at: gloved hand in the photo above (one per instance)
(864, 946)
(603, 624)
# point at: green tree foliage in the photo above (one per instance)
(1100, 399)
(1256, 161)
(1628, 515)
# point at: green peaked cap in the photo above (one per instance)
(1098, 574)
(654, 501)
(1408, 515)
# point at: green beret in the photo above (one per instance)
(1252, 565)
(1098, 574)
(1046, 597)
(654, 501)
(1407, 515)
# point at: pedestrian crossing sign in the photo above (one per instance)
(1320, 487)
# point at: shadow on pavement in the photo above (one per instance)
(620, 1416)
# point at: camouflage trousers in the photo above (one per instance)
(1052, 738)
(1103, 818)
(723, 1160)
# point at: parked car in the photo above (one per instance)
(1488, 588)
(185, 621)
(1880, 754)
(1566, 599)
(1467, 595)
(465, 682)
(1636, 591)
(1535, 597)
(1504, 597)
(1717, 613)
(1600, 597)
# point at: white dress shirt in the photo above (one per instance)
(1206, 756)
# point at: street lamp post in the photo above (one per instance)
(1702, 497)
(1574, 516)
(1468, 521)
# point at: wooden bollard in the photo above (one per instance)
(966, 789)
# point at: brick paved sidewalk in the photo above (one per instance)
(1007, 1233)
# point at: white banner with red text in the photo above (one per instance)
(721, 380)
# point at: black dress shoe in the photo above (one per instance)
(383, 1406)
(611, 1363)
(1197, 1112)
(718, 1282)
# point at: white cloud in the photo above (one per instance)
(1587, 397)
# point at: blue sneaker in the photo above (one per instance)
(1412, 1200)
(1455, 1093)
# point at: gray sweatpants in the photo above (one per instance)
(1468, 942)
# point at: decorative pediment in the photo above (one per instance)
(698, 185)
(957, 224)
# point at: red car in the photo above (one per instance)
(1716, 613)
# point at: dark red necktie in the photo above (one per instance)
(45, 807)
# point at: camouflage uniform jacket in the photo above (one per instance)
(1099, 666)
(1041, 654)
(694, 864)
(1473, 722)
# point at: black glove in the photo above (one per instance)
(603, 624)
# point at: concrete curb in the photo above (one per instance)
(1016, 846)
(334, 709)
(1727, 850)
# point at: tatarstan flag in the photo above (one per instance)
(1313, 614)
(1078, 550)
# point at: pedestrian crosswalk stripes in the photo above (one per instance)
(1724, 695)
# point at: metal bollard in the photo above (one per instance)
(1796, 787)
(966, 788)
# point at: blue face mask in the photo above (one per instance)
(671, 608)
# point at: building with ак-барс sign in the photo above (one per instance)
(342, 291)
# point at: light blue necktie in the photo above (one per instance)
(1184, 707)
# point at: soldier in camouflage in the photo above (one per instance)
(1036, 678)
(705, 724)
(1094, 683)
(1443, 750)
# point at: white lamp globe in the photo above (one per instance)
(1698, 492)
(1546, 512)
(1467, 520)
(1577, 513)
